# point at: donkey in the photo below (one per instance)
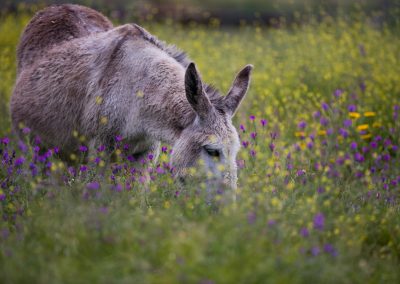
(124, 81)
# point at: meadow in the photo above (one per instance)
(319, 179)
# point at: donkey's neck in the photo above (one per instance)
(169, 118)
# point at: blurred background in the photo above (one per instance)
(228, 12)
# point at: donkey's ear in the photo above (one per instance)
(194, 92)
(238, 90)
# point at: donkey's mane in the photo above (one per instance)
(182, 58)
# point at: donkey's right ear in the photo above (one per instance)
(194, 92)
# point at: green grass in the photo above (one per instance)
(54, 229)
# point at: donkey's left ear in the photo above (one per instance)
(238, 90)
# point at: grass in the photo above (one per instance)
(319, 182)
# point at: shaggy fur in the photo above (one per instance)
(100, 81)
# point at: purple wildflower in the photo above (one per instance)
(263, 122)
(83, 148)
(302, 124)
(358, 157)
(22, 146)
(316, 114)
(242, 128)
(315, 251)
(83, 168)
(272, 146)
(337, 93)
(304, 232)
(325, 106)
(252, 117)
(252, 153)
(343, 132)
(347, 123)
(118, 138)
(150, 157)
(324, 121)
(353, 145)
(319, 221)
(101, 148)
(164, 149)
(5, 140)
(352, 108)
(19, 161)
(328, 248)
(253, 135)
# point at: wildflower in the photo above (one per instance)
(253, 135)
(329, 131)
(354, 115)
(300, 134)
(353, 145)
(5, 140)
(328, 248)
(83, 168)
(2, 195)
(271, 146)
(93, 185)
(118, 138)
(83, 148)
(263, 122)
(362, 127)
(242, 128)
(343, 132)
(26, 130)
(19, 161)
(245, 144)
(302, 124)
(337, 93)
(325, 106)
(304, 232)
(252, 117)
(316, 114)
(22, 146)
(310, 145)
(320, 190)
(164, 149)
(358, 157)
(319, 221)
(366, 136)
(315, 251)
(252, 153)
(37, 140)
(150, 157)
(352, 108)
(323, 121)
(101, 148)
(369, 113)
(322, 132)
(347, 123)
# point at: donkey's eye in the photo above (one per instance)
(212, 152)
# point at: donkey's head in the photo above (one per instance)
(211, 137)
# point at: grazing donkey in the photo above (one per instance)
(101, 81)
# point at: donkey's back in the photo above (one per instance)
(55, 25)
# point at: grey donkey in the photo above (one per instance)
(103, 81)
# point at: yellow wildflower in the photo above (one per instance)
(369, 113)
(362, 127)
(366, 136)
(354, 115)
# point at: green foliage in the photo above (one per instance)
(315, 204)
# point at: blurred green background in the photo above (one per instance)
(229, 12)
